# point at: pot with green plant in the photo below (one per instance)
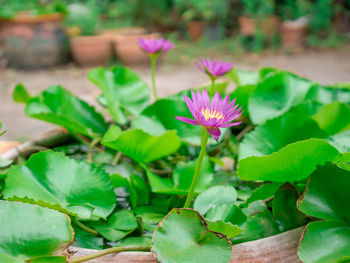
(87, 47)
(196, 14)
(32, 34)
(258, 15)
(294, 15)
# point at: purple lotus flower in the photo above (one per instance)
(217, 114)
(155, 46)
(214, 68)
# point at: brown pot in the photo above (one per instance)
(248, 26)
(195, 29)
(90, 51)
(127, 48)
(293, 35)
(32, 42)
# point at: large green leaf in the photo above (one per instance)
(160, 116)
(326, 197)
(259, 223)
(30, 231)
(183, 236)
(242, 77)
(293, 126)
(213, 197)
(118, 225)
(56, 181)
(294, 162)
(242, 95)
(263, 192)
(333, 118)
(275, 95)
(284, 208)
(182, 178)
(325, 242)
(56, 105)
(341, 141)
(329, 94)
(125, 92)
(141, 146)
(326, 193)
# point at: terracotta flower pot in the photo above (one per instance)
(126, 46)
(293, 35)
(33, 42)
(195, 29)
(248, 25)
(90, 51)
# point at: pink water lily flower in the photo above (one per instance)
(154, 46)
(212, 115)
(214, 68)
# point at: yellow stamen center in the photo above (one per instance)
(211, 114)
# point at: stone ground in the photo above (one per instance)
(326, 67)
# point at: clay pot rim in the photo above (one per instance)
(120, 39)
(126, 31)
(88, 40)
(270, 17)
(25, 18)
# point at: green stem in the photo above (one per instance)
(212, 87)
(107, 251)
(117, 158)
(84, 227)
(92, 145)
(153, 70)
(205, 136)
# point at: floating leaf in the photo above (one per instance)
(56, 181)
(160, 116)
(259, 224)
(293, 126)
(284, 208)
(213, 197)
(294, 162)
(329, 94)
(263, 192)
(183, 236)
(141, 146)
(84, 239)
(228, 212)
(242, 77)
(226, 228)
(29, 231)
(276, 94)
(324, 242)
(333, 118)
(20, 94)
(341, 141)
(56, 105)
(124, 91)
(118, 225)
(326, 193)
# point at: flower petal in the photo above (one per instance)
(214, 132)
(187, 120)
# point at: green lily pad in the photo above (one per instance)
(294, 162)
(328, 94)
(242, 77)
(324, 242)
(213, 197)
(160, 117)
(324, 197)
(56, 105)
(333, 118)
(119, 225)
(56, 181)
(20, 94)
(141, 146)
(293, 126)
(183, 236)
(276, 94)
(124, 91)
(225, 228)
(29, 232)
(259, 224)
(263, 192)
